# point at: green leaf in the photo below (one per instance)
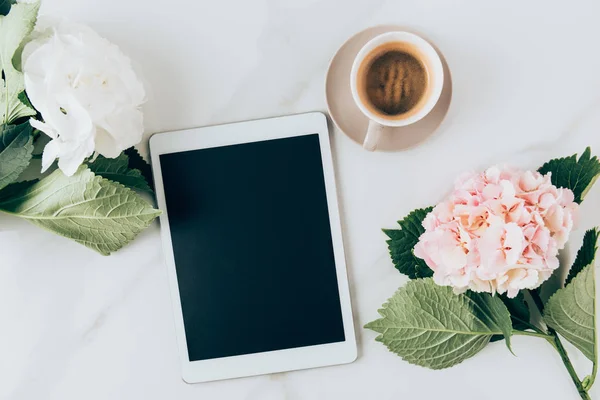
(5, 6)
(16, 146)
(571, 312)
(519, 313)
(430, 326)
(402, 242)
(585, 255)
(23, 98)
(137, 162)
(117, 170)
(14, 27)
(16, 188)
(89, 209)
(577, 175)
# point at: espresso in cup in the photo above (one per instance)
(392, 80)
(396, 80)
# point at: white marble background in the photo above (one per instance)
(76, 325)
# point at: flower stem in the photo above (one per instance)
(554, 340)
(536, 334)
(589, 381)
(557, 344)
(535, 295)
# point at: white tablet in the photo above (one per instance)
(253, 244)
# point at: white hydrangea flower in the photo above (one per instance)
(86, 91)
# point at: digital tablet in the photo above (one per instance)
(253, 245)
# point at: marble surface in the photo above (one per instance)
(76, 325)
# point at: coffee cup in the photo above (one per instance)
(396, 80)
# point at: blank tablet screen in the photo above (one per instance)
(252, 245)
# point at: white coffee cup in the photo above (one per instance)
(418, 48)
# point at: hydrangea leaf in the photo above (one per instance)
(571, 312)
(16, 146)
(402, 243)
(93, 211)
(585, 255)
(14, 27)
(518, 309)
(137, 162)
(519, 313)
(15, 189)
(5, 6)
(571, 173)
(430, 326)
(117, 170)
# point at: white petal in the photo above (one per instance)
(51, 151)
(128, 126)
(106, 145)
(41, 126)
(71, 160)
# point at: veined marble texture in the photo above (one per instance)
(526, 76)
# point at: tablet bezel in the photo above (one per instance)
(271, 361)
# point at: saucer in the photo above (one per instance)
(350, 120)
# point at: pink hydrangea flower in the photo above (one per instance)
(498, 232)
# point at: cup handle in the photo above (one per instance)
(373, 133)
